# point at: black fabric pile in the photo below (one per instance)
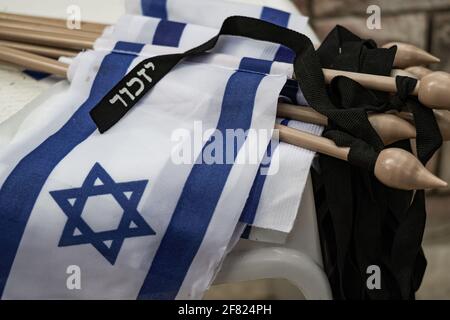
(361, 221)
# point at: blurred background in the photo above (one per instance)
(424, 23)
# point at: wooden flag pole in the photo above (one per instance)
(49, 29)
(419, 71)
(389, 127)
(33, 61)
(433, 90)
(49, 52)
(46, 38)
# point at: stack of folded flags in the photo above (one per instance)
(148, 209)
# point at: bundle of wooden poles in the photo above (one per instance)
(36, 43)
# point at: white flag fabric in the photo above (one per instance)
(115, 207)
(274, 199)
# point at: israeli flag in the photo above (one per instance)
(115, 208)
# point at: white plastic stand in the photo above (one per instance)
(299, 260)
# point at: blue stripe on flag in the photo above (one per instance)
(257, 65)
(280, 18)
(128, 47)
(168, 33)
(36, 75)
(246, 233)
(251, 205)
(154, 8)
(284, 54)
(248, 214)
(24, 184)
(290, 90)
(199, 197)
(275, 16)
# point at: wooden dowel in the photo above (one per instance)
(433, 90)
(394, 167)
(44, 38)
(49, 52)
(419, 71)
(61, 23)
(32, 61)
(389, 127)
(374, 82)
(50, 29)
(311, 142)
(402, 73)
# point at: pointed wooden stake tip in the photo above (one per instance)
(399, 169)
(409, 55)
(392, 128)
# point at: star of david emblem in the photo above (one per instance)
(78, 231)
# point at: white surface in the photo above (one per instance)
(16, 90)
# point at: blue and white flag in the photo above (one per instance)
(117, 209)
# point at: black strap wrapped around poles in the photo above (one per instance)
(372, 224)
